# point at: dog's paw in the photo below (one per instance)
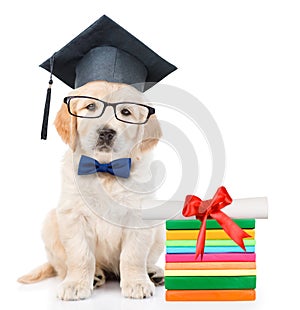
(137, 289)
(156, 275)
(71, 290)
(99, 278)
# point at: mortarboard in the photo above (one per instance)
(104, 51)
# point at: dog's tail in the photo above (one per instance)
(40, 273)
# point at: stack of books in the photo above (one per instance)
(226, 272)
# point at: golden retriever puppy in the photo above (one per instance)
(83, 248)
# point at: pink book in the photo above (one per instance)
(218, 257)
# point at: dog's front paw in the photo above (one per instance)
(137, 289)
(71, 290)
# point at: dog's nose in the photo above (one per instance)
(106, 134)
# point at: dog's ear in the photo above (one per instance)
(152, 134)
(66, 126)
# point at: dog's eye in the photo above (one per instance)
(91, 107)
(125, 112)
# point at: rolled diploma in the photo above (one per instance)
(256, 208)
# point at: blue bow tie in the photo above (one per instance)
(119, 167)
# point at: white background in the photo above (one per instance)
(239, 58)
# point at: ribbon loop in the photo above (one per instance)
(194, 206)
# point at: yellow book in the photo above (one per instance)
(210, 234)
(210, 273)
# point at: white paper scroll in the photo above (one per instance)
(256, 208)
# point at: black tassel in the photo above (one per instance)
(47, 103)
(46, 113)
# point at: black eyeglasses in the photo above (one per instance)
(127, 112)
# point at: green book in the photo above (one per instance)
(210, 224)
(247, 242)
(210, 283)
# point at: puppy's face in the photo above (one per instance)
(105, 135)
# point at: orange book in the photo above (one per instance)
(210, 295)
(210, 265)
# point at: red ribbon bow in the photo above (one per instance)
(211, 208)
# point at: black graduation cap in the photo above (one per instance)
(104, 51)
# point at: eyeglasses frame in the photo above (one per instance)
(151, 110)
